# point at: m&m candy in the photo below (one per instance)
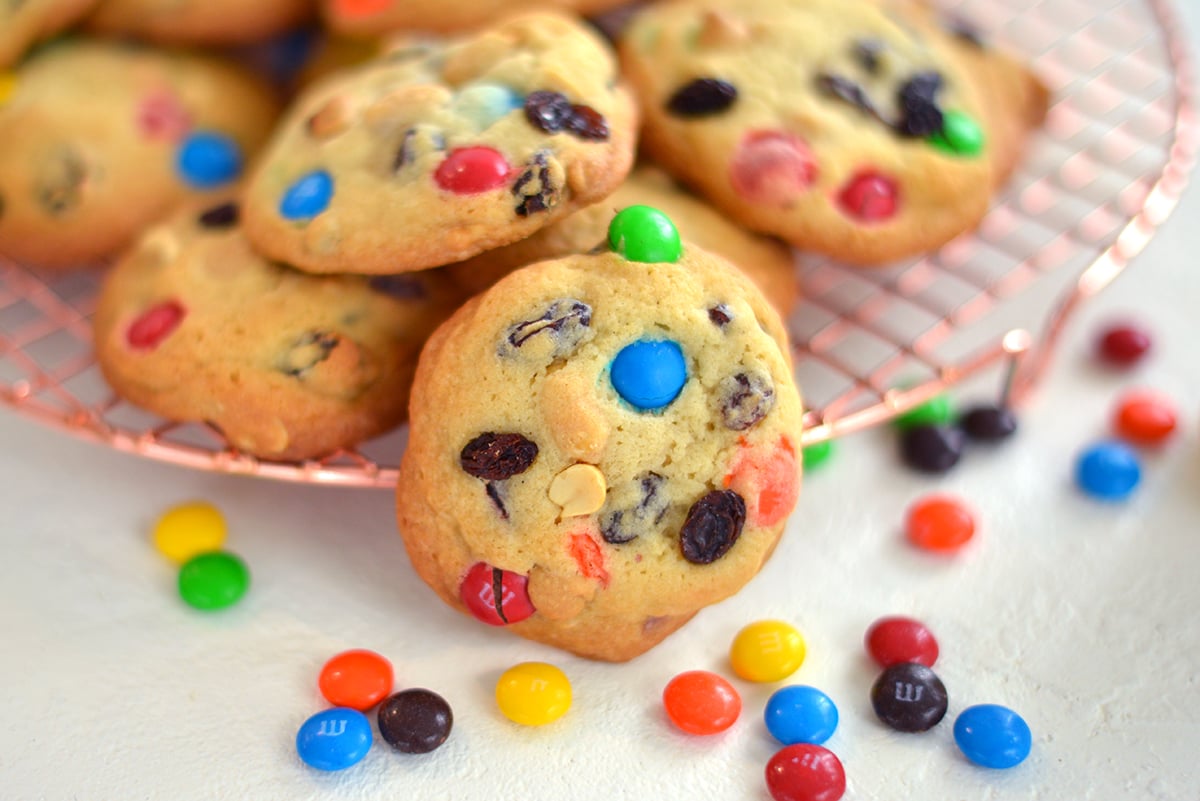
(1123, 344)
(992, 736)
(650, 373)
(805, 772)
(932, 448)
(938, 410)
(415, 721)
(207, 159)
(988, 423)
(1108, 471)
(358, 679)
(767, 650)
(939, 523)
(334, 739)
(909, 697)
(700, 702)
(189, 529)
(800, 714)
(308, 196)
(1145, 418)
(892, 640)
(644, 234)
(472, 170)
(817, 454)
(533, 693)
(213, 580)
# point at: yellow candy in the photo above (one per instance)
(768, 650)
(533, 693)
(189, 530)
(8, 86)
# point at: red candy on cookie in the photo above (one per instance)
(772, 167)
(770, 482)
(155, 325)
(497, 597)
(869, 197)
(471, 170)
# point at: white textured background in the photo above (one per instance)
(1081, 616)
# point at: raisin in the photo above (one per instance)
(495, 457)
(407, 152)
(587, 123)
(535, 188)
(918, 100)
(746, 399)
(548, 111)
(566, 322)
(720, 315)
(223, 216)
(702, 97)
(401, 287)
(623, 525)
(845, 89)
(309, 350)
(712, 526)
(866, 53)
(62, 182)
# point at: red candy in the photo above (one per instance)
(768, 482)
(700, 702)
(479, 590)
(772, 167)
(155, 325)
(1123, 345)
(805, 772)
(1145, 418)
(359, 679)
(588, 556)
(869, 197)
(161, 115)
(893, 640)
(471, 170)
(361, 8)
(939, 523)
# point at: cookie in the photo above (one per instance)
(845, 127)
(24, 23)
(367, 17)
(98, 140)
(603, 444)
(193, 325)
(438, 151)
(206, 22)
(765, 261)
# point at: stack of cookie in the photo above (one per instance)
(285, 248)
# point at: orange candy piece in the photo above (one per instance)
(700, 702)
(1145, 418)
(939, 523)
(361, 8)
(359, 679)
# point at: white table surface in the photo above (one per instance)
(1080, 615)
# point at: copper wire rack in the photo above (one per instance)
(1107, 169)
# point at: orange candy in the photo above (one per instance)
(939, 523)
(361, 8)
(359, 679)
(1145, 418)
(700, 702)
(768, 481)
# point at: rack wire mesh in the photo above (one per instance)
(1109, 166)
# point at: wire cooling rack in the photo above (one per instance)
(1107, 169)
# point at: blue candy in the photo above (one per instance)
(1108, 470)
(993, 736)
(649, 374)
(800, 714)
(207, 160)
(334, 739)
(308, 196)
(485, 103)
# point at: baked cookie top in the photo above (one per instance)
(599, 444)
(836, 124)
(193, 325)
(99, 139)
(440, 150)
(767, 262)
(362, 17)
(209, 22)
(24, 23)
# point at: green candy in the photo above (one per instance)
(817, 454)
(213, 580)
(938, 410)
(960, 135)
(645, 234)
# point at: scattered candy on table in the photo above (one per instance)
(988, 423)
(533, 693)
(1143, 417)
(909, 697)
(800, 714)
(1123, 345)
(892, 640)
(805, 772)
(700, 702)
(938, 410)
(932, 448)
(939, 523)
(358, 679)
(817, 454)
(213, 580)
(767, 650)
(992, 736)
(415, 721)
(188, 530)
(1108, 471)
(334, 739)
